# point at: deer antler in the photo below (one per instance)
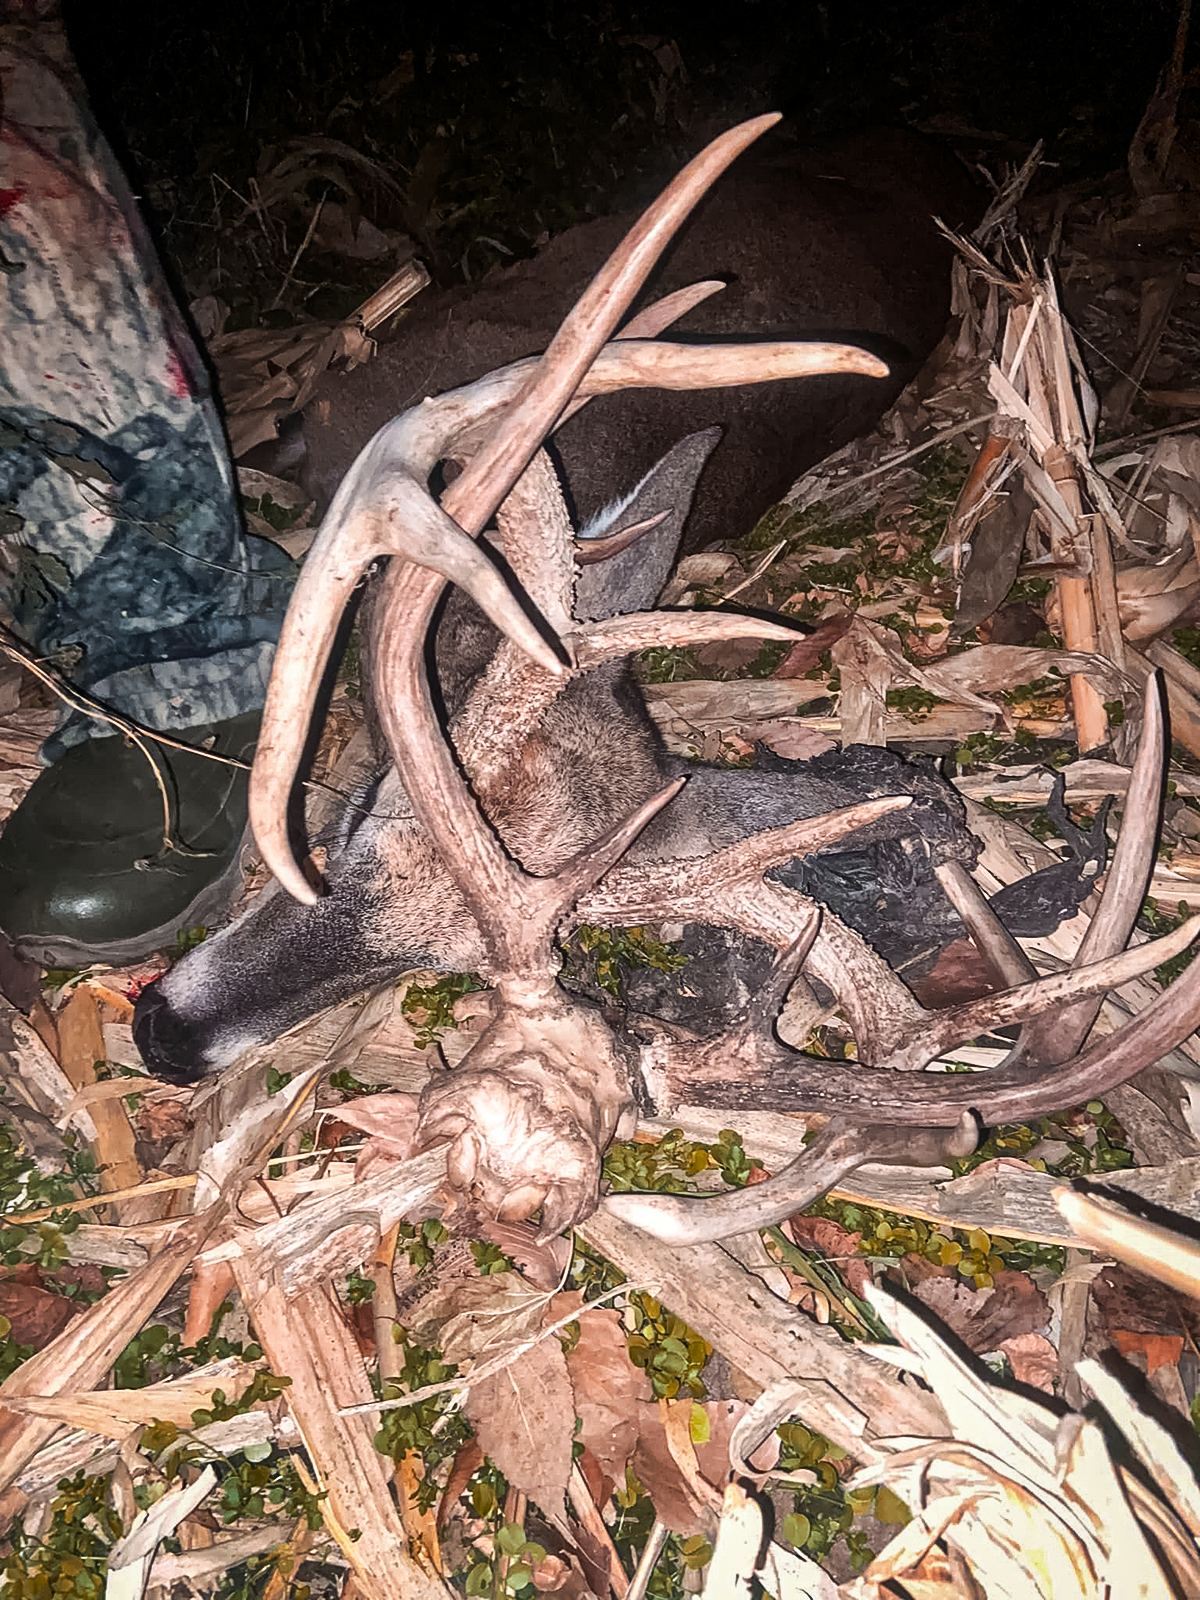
(747, 1066)
(547, 1085)
(383, 506)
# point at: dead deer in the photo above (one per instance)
(389, 904)
(531, 1110)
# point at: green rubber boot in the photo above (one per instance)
(84, 876)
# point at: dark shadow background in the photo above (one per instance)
(500, 123)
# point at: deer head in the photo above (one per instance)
(548, 1084)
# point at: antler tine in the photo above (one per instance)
(712, 888)
(1040, 998)
(1008, 961)
(1125, 888)
(533, 519)
(384, 508)
(491, 730)
(765, 1073)
(838, 1149)
(588, 327)
(653, 320)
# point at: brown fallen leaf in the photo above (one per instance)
(35, 1315)
(391, 1122)
(387, 1117)
(544, 1263)
(684, 1504)
(983, 1318)
(467, 1461)
(677, 1502)
(1033, 1359)
(959, 974)
(163, 1122)
(1015, 624)
(1158, 1349)
(471, 1317)
(791, 739)
(836, 1244)
(728, 654)
(599, 1484)
(713, 1453)
(524, 1419)
(608, 1388)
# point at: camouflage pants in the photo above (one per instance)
(124, 556)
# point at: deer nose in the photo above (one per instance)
(164, 1040)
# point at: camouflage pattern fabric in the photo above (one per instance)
(126, 564)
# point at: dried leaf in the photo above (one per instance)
(984, 1318)
(543, 1262)
(35, 1315)
(688, 1502)
(996, 545)
(391, 1122)
(729, 654)
(391, 1119)
(467, 1461)
(476, 1316)
(1131, 1301)
(806, 655)
(677, 1502)
(1158, 1349)
(163, 1121)
(609, 1389)
(524, 1419)
(792, 740)
(1033, 1359)
(713, 1453)
(835, 1243)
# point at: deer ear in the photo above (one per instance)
(631, 580)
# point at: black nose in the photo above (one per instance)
(162, 1039)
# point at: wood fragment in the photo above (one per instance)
(1161, 1252)
(768, 1340)
(307, 1339)
(1079, 610)
(83, 1353)
(81, 1047)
